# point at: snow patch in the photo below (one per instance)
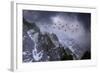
(37, 55)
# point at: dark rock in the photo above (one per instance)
(30, 26)
(87, 55)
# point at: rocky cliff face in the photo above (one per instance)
(46, 46)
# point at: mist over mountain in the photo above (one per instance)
(56, 36)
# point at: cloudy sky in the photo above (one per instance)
(66, 25)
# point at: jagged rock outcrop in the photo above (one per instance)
(44, 47)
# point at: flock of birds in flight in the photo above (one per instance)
(73, 27)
